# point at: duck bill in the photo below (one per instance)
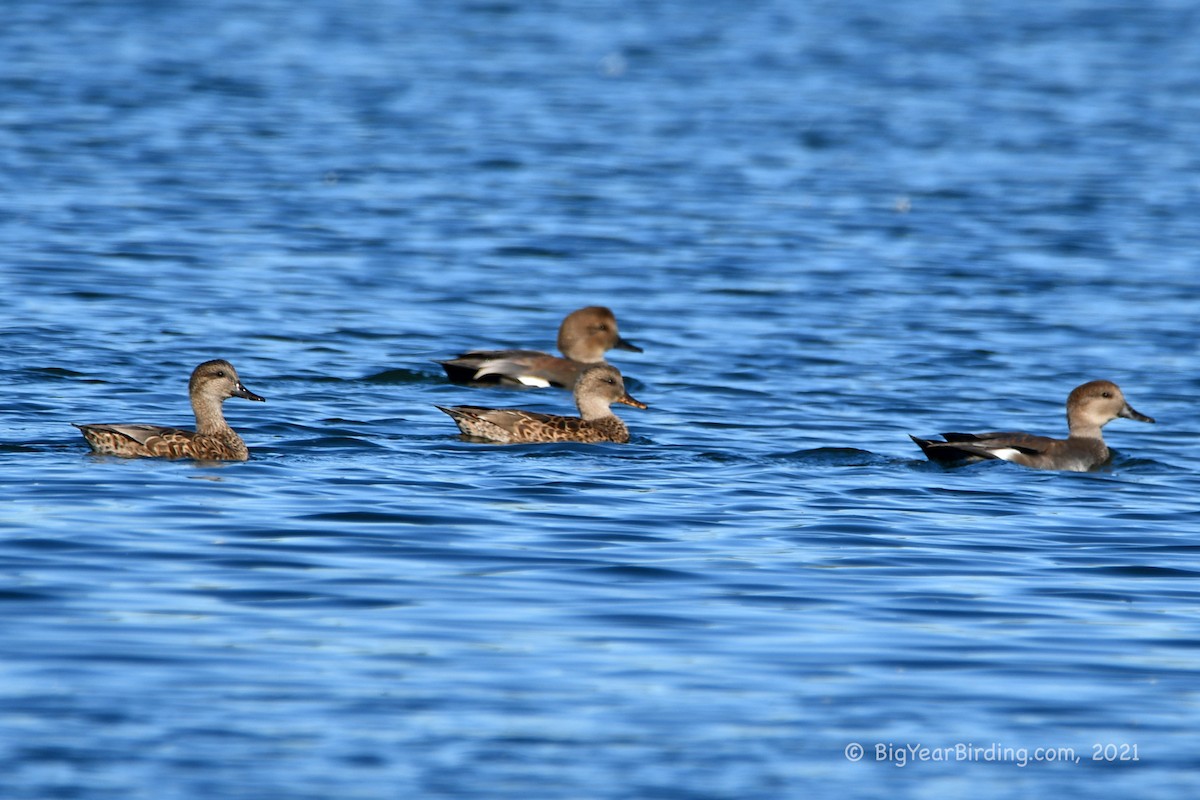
(242, 391)
(628, 400)
(625, 344)
(1128, 413)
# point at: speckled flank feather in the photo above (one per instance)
(598, 387)
(151, 441)
(211, 383)
(1089, 408)
(583, 338)
(511, 425)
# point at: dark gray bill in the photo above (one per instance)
(1128, 413)
(625, 344)
(242, 391)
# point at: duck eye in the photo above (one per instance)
(220, 373)
(1106, 394)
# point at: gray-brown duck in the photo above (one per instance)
(598, 387)
(583, 338)
(1089, 408)
(213, 440)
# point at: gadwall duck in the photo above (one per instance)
(1089, 408)
(583, 338)
(213, 439)
(598, 387)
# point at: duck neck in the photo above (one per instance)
(582, 350)
(591, 408)
(209, 419)
(1084, 430)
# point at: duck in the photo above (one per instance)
(585, 335)
(213, 440)
(598, 387)
(1090, 407)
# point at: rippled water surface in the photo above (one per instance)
(828, 225)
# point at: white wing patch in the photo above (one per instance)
(1007, 453)
(511, 371)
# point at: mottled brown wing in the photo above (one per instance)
(155, 441)
(516, 425)
(131, 440)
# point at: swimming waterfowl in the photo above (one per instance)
(583, 338)
(1089, 408)
(213, 439)
(598, 387)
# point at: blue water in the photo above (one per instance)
(828, 224)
